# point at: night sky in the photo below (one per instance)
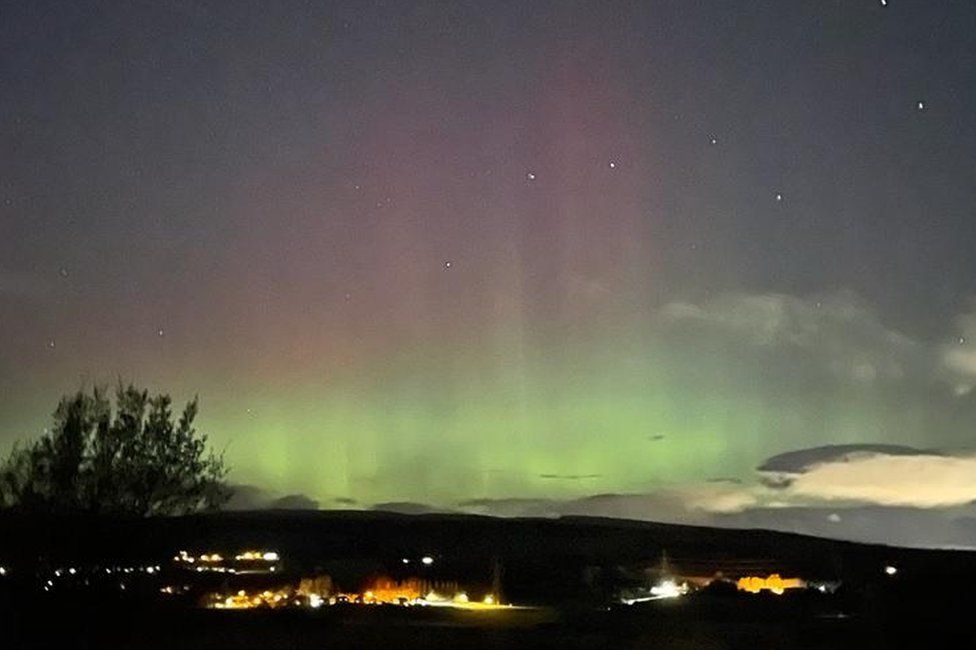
(711, 261)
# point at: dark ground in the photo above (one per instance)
(908, 614)
(671, 625)
(569, 568)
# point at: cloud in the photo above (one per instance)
(511, 507)
(858, 507)
(407, 508)
(898, 526)
(922, 480)
(872, 474)
(251, 497)
(294, 502)
(803, 459)
(247, 497)
(836, 330)
(879, 493)
(671, 504)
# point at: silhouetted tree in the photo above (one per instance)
(139, 462)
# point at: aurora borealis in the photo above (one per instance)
(505, 253)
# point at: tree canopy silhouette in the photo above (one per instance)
(137, 461)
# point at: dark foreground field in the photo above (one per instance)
(571, 572)
(691, 623)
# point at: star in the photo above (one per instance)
(159, 332)
(63, 272)
(530, 176)
(884, 3)
(613, 165)
(920, 105)
(448, 264)
(962, 339)
(51, 344)
(713, 140)
(779, 197)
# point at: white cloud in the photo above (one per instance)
(921, 481)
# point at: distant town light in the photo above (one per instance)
(667, 589)
(427, 560)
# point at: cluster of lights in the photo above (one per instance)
(267, 598)
(285, 598)
(72, 575)
(459, 600)
(215, 569)
(215, 562)
(210, 558)
(316, 593)
(109, 570)
(252, 556)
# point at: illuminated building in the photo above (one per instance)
(773, 583)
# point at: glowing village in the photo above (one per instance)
(260, 579)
